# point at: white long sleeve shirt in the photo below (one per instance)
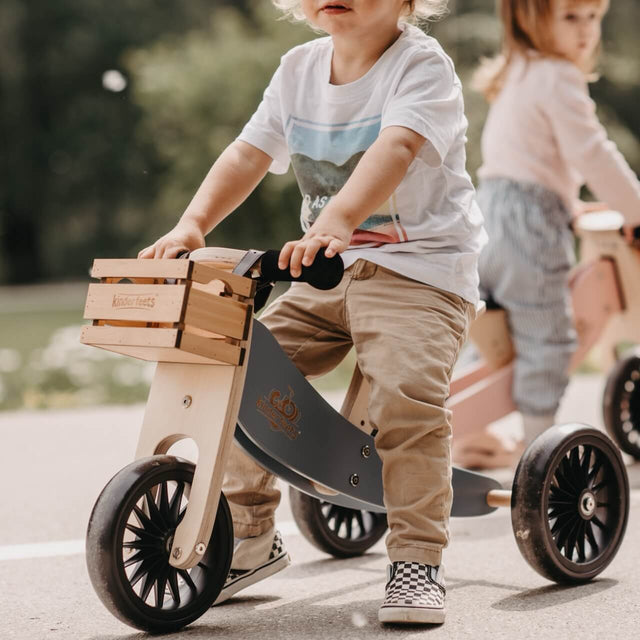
(543, 128)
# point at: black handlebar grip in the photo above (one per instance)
(635, 234)
(324, 273)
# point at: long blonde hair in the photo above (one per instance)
(416, 10)
(526, 28)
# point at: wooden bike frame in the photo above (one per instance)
(195, 320)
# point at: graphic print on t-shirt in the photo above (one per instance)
(323, 157)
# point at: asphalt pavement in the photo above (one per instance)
(53, 465)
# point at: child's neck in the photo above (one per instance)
(352, 58)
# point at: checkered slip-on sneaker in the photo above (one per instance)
(414, 594)
(254, 559)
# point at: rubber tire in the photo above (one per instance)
(529, 502)
(307, 513)
(612, 398)
(104, 550)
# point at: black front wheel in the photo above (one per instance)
(339, 531)
(570, 503)
(129, 542)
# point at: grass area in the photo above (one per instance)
(26, 331)
(43, 364)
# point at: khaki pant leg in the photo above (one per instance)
(307, 325)
(407, 336)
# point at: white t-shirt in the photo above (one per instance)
(430, 229)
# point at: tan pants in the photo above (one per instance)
(407, 336)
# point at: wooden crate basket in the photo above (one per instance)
(169, 311)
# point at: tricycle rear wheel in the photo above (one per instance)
(570, 503)
(339, 531)
(621, 403)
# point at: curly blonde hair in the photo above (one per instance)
(416, 10)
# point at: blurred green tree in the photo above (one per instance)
(72, 182)
(111, 114)
(197, 92)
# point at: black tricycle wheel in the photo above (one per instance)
(339, 531)
(129, 540)
(570, 503)
(621, 403)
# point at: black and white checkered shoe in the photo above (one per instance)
(414, 594)
(254, 559)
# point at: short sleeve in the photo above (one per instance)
(265, 130)
(428, 100)
(584, 143)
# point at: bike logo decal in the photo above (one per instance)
(281, 412)
(144, 301)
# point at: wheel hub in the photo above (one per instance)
(587, 504)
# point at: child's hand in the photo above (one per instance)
(581, 207)
(632, 235)
(327, 231)
(590, 207)
(185, 236)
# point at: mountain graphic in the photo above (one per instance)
(320, 180)
(321, 177)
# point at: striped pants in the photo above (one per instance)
(525, 269)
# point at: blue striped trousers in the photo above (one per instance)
(524, 268)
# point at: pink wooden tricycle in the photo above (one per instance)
(605, 289)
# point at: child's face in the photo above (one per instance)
(353, 18)
(576, 29)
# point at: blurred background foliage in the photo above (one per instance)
(112, 113)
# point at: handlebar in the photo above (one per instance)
(635, 232)
(324, 273)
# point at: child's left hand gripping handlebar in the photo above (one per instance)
(322, 273)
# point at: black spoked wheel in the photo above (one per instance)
(129, 541)
(570, 503)
(340, 531)
(621, 403)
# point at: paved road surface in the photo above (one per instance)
(53, 464)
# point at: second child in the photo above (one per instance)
(541, 142)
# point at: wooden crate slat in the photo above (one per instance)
(131, 336)
(211, 348)
(139, 302)
(122, 323)
(133, 268)
(240, 285)
(160, 354)
(219, 315)
(171, 268)
(162, 345)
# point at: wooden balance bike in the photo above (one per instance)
(160, 537)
